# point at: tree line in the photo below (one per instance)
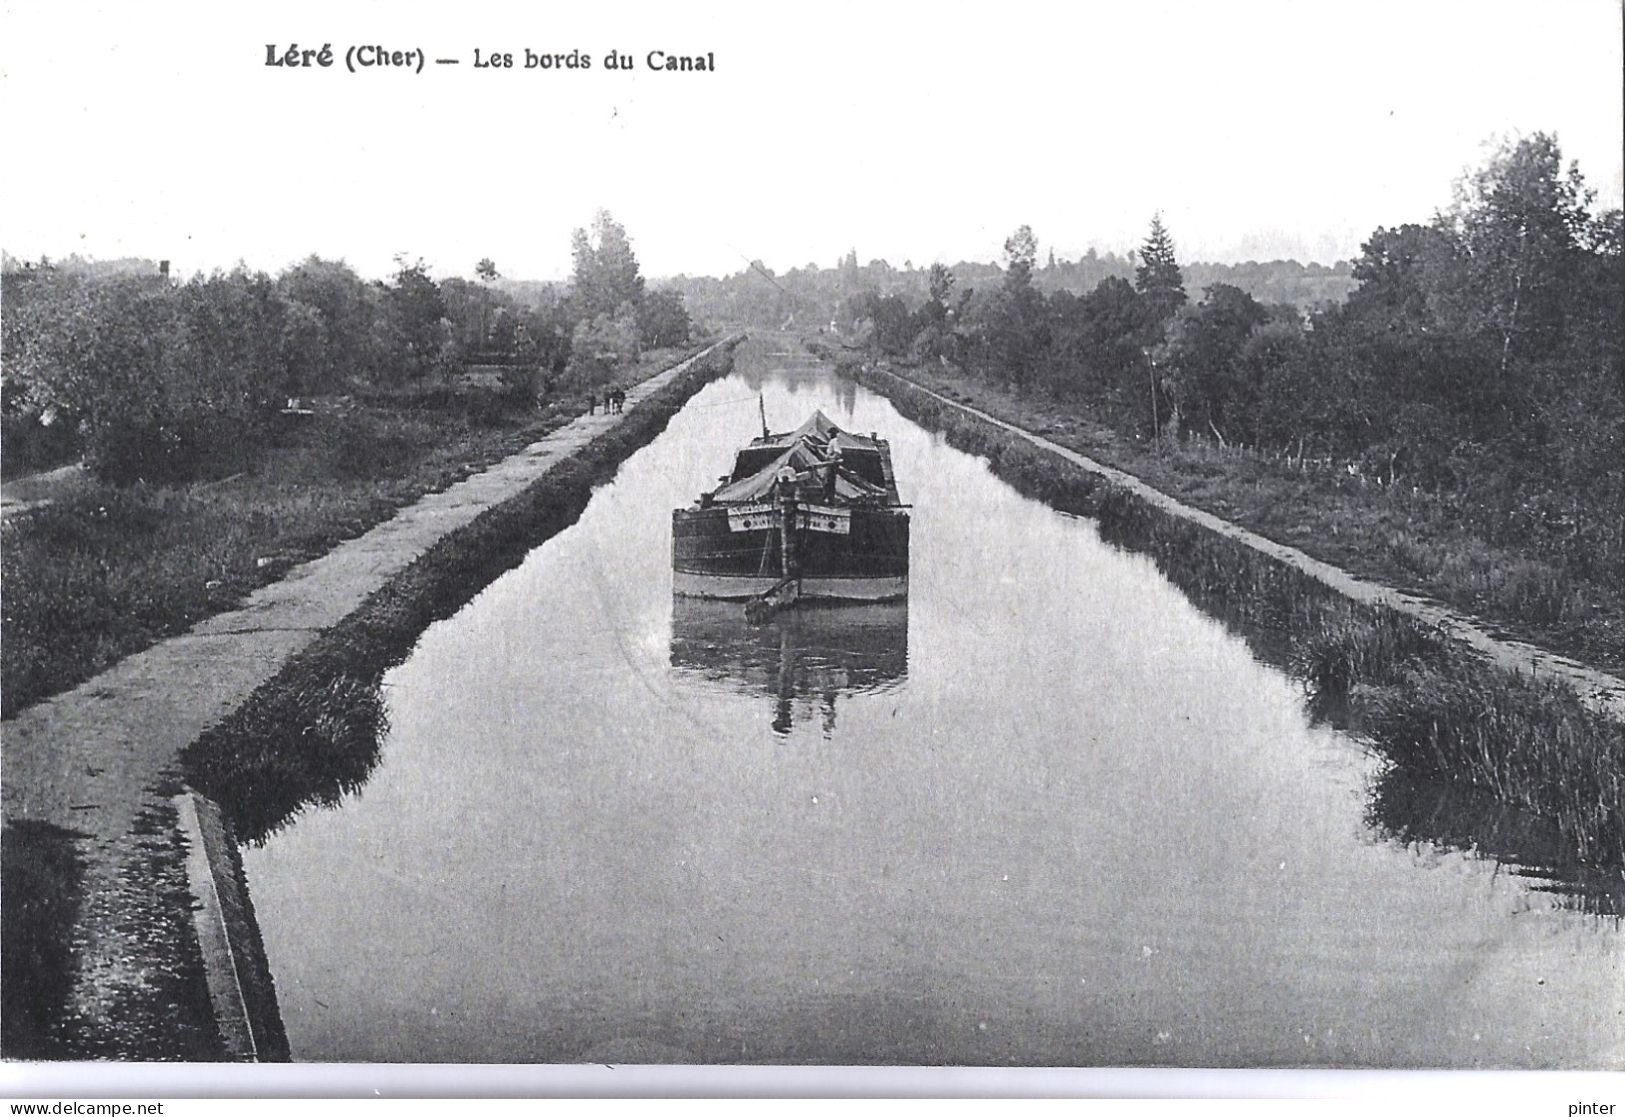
(161, 380)
(1479, 354)
(809, 295)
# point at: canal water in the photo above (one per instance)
(1048, 812)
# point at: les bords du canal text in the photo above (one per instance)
(366, 57)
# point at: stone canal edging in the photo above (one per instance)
(102, 760)
(1603, 691)
(234, 964)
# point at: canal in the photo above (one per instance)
(1047, 812)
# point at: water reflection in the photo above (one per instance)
(1264, 604)
(803, 658)
(795, 369)
(1412, 812)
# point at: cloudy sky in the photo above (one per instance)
(910, 131)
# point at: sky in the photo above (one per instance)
(907, 131)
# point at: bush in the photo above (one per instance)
(602, 345)
(207, 444)
(31, 445)
(663, 320)
(368, 448)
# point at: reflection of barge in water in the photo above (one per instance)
(815, 654)
(812, 513)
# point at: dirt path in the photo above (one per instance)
(101, 759)
(1602, 690)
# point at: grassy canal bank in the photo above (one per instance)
(104, 927)
(1438, 711)
(104, 570)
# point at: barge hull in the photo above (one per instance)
(742, 587)
(868, 561)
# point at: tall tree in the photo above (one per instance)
(1204, 345)
(417, 331)
(939, 288)
(1110, 323)
(341, 300)
(663, 320)
(486, 272)
(1158, 277)
(849, 278)
(1398, 270)
(1020, 330)
(934, 337)
(606, 270)
(1519, 223)
(1020, 253)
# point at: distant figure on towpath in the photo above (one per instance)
(592, 403)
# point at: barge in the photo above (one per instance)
(811, 514)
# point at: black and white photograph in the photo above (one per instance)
(1064, 539)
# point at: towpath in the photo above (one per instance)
(95, 759)
(1602, 690)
